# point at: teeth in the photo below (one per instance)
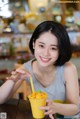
(45, 59)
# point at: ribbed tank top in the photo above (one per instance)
(55, 91)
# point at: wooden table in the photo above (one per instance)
(16, 109)
(19, 109)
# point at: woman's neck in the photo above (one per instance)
(46, 75)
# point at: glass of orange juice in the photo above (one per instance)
(37, 99)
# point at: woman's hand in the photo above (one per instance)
(49, 109)
(19, 74)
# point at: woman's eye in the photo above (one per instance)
(53, 48)
(41, 46)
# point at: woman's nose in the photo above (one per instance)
(46, 52)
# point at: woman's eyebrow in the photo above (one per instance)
(51, 44)
(41, 42)
(54, 45)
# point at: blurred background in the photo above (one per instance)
(18, 19)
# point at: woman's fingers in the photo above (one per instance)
(20, 71)
(12, 77)
(44, 108)
(19, 74)
(48, 109)
(51, 116)
(49, 102)
(23, 71)
(13, 73)
(48, 112)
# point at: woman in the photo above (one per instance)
(51, 69)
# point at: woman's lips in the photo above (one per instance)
(45, 59)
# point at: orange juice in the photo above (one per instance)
(37, 99)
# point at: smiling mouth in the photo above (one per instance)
(45, 59)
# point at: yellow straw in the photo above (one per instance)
(32, 85)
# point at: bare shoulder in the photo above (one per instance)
(70, 71)
(69, 66)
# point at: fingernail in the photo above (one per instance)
(20, 71)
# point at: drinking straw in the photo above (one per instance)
(32, 85)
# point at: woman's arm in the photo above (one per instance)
(15, 87)
(72, 88)
(5, 90)
(72, 94)
(19, 74)
(12, 84)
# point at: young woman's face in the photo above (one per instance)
(46, 49)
